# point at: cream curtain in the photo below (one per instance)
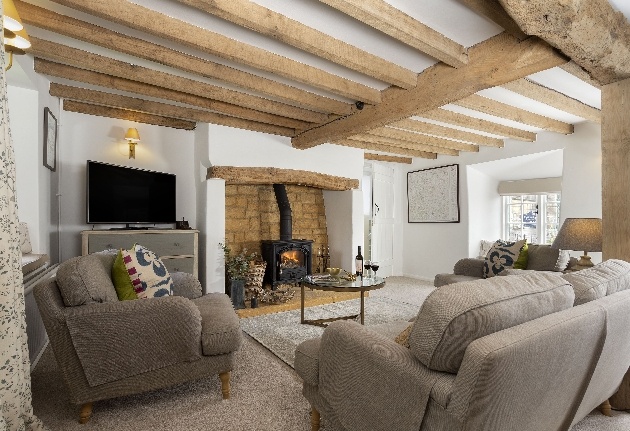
(16, 411)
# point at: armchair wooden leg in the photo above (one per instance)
(225, 384)
(605, 408)
(86, 413)
(315, 418)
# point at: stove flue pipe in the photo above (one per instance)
(286, 219)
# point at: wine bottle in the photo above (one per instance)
(358, 261)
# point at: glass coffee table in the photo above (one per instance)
(326, 284)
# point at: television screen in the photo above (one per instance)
(117, 194)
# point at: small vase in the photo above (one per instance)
(254, 302)
(237, 293)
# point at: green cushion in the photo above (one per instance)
(523, 256)
(122, 282)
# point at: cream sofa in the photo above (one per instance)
(507, 353)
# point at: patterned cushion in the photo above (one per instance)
(600, 280)
(149, 277)
(454, 316)
(502, 255)
(122, 282)
(25, 240)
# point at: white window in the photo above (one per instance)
(535, 217)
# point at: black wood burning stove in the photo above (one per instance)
(288, 260)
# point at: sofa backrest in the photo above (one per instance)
(603, 279)
(454, 316)
(87, 279)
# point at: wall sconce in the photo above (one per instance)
(15, 37)
(133, 138)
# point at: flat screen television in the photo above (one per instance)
(122, 195)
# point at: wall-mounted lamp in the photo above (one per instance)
(133, 137)
(15, 37)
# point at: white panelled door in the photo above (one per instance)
(383, 219)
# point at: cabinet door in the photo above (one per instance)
(181, 264)
(171, 244)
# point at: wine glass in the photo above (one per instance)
(374, 266)
(366, 265)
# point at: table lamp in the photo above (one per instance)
(580, 234)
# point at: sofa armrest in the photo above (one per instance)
(115, 340)
(370, 381)
(469, 266)
(186, 285)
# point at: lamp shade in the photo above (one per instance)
(132, 135)
(11, 19)
(580, 234)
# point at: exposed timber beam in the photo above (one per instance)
(98, 63)
(493, 10)
(493, 62)
(417, 138)
(273, 24)
(457, 119)
(503, 110)
(160, 25)
(576, 70)
(62, 24)
(399, 143)
(550, 97)
(402, 27)
(447, 132)
(161, 109)
(384, 158)
(591, 32)
(384, 148)
(123, 114)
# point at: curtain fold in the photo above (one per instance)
(16, 410)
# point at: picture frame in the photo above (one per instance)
(50, 140)
(433, 195)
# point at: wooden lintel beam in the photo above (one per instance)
(384, 148)
(149, 21)
(162, 109)
(576, 70)
(415, 125)
(384, 158)
(380, 140)
(395, 23)
(255, 175)
(403, 135)
(123, 114)
(81, 30)
(273, 24)
(503, 110)
(493, 62)
(551, 97)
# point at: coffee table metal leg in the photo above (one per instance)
(301, 302)
(362, 306)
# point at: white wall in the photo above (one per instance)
(484, 208)
(431, 248)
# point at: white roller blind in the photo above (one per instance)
(530, 187)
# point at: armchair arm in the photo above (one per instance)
(186, 285)
(115, 340)
(370, 381)
(470, 266)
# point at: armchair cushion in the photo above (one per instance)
(220, 327)
(126, 338)
(454, 316)
(87, 279)
(600, 280)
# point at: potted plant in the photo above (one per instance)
(237, 267)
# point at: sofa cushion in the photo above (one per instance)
(149, 277)
(600, 280)
(306, 362)
(444, 279)
(544, 258)
(87, 279)
(502, 255)
(454, 316)
(220, 327)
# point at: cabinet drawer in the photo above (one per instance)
(171, 244)
(181, 264)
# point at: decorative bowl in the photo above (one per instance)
(334, 272)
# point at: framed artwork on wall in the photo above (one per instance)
(433, 195)
(50, 140)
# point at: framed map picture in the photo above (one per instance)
(50, 140)
(433, 195)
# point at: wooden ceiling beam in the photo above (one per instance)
(98, 63)
(162, 109)
(592, 33)
(384, 148)
(493, 62)
(256, 175)
(493, 10)
(49, 68)
(399, 143)
(417, 138)
(576, 70)
(502, 110)
(446, 132)
(123, 114)
(550, 97)
(391, 21)
(384, 158)
(272, 24)
(81, 30)
(461, 120)
(149, 21)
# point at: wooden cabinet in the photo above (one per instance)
(178, 249)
